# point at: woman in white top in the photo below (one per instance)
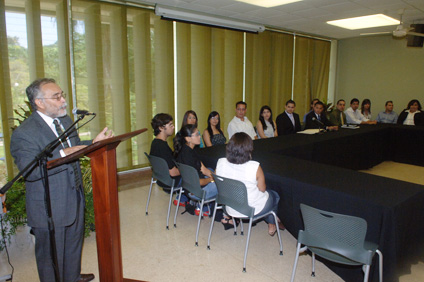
(239, 166)
(409, 115)
(265, 126)
(366, 108)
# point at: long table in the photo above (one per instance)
(321, 171)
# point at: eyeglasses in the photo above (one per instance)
(57, 96)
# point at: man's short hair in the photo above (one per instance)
(290, 102)
(388, 102)
(320, 103)
(313, 102)
(340, 101)
(241, 103)
(33, 91)
(354, 100)
(159, 121)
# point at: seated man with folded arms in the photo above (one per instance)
(163, 128)
(387, 116)
(337, 116)
(240, 123)
(288, 122)
(354, 116)
(317, 119)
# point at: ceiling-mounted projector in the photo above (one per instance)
(169, 13)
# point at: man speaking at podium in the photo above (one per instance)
(47, 122)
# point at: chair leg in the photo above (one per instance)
(235, 226)
(247, 243)
(148, 197)
(241, 227)
(313, 264)
(178, 205)
(210, 230)
(366, 272)
(296, 258)
(278, 233)
(198, 222)
(380, 264)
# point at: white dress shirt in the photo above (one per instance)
(354, 117)
(237, 125)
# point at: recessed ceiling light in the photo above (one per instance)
(268, 3)
(365, 22)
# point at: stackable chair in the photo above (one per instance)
(191, 183)
(233, 193)
(160, 172)
(338, 238)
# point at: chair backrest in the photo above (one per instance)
(338, 233)
(233, 193)
(160, 170)
(190, 180)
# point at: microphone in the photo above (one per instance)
(317, 120)
(76, 111)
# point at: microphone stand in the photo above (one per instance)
(320, 130)
(41, 159)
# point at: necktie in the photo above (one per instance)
(341, 118)
(319, 117)
(78, 180)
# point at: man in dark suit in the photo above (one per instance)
(66, 192)
(288, 122)
(317, 119)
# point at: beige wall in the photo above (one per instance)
(380, 68)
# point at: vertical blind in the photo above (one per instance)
(124, 70)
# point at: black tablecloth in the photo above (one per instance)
(320, 170)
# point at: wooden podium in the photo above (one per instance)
(106, 206)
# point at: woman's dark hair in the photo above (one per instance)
(239, 148)
(218, 126)
(185, 118)
(261, 118)
(365, 102)
(179, 140)
(159, 121)
(413, 102)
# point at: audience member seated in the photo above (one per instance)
(240, 123)
(366, 109)
(163, 127)
(288, 122)
(387, 116)
(337, 116)
(354, 116)
(184, 152)
(239, 166)
(190, 117)
(412, 114)
(265, 126)
(313, 102)
(213, 135)
(317, 119)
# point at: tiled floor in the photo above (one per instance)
(150, 252)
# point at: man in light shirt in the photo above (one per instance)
(388, 116)
(354, 116)
(240, 123)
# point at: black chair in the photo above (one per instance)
(338, 238)
(191, 183)
(233, 193)
(160, 172)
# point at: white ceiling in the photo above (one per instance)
(307, 16)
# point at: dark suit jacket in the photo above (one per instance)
(285, 125)
(418, 118)
(314, 124)
(28, 140)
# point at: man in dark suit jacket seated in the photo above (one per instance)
(317, 119)
(288, 122)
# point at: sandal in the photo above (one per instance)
(227, 223)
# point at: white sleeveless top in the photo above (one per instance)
(245, 173)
